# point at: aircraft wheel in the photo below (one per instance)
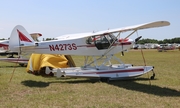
(152, 77)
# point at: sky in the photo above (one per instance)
(53, 18)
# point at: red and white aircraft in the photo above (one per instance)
(101, 46)
(4, 44)
(4, 50)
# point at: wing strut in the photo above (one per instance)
(130, 34)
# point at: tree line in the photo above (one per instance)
(170, 41)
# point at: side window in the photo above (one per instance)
(89, 40)
(101, 41)
(112, 38)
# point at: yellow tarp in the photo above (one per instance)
(38, 61)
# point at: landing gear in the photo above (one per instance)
(152, 77)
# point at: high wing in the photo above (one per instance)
(123, 29)
(140, 26)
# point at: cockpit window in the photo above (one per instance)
(104, 41)
(89, 40)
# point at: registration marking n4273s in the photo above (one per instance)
(62, 47)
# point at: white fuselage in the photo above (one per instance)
(77, 47)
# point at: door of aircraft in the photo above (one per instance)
(104, 41)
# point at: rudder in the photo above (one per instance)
(19, 37)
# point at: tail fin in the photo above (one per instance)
(19, 37)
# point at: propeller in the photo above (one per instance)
(136, 40)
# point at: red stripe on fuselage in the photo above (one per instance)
(115, 71)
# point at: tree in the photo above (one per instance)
(170, 41)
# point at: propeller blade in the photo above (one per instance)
(138, 38)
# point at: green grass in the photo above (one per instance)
(30, 91)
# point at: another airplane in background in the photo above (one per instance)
(4, 50)
(100, 46)
(4, 46)
(164, 47)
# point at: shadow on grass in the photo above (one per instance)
(40, 84)
(146, 88)
(79, 80)
(31, 83)
(131, 84)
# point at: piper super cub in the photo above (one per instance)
(100, 46)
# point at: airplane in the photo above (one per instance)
(4, 44)
(4, 50)
(98, 48)
(164, 47)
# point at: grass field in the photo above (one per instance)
(30, 91)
